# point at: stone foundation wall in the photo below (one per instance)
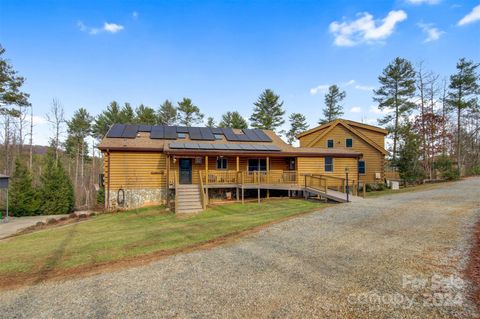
(138, 197)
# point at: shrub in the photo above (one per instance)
(445, 166)
(23, 197)
(474, 170)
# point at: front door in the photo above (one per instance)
(185, 165)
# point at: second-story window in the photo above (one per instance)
(348, 142)
(330, 143)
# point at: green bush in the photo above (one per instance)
(100, 198)
(445, 166)
(474, 170)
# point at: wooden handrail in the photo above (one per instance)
(175, 184)
(202, 191)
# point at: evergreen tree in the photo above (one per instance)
(464, 89)
(10, 85)
(298, 124)
(333, 109)
(188, 113)
(268, 112)
(22, 196)
(233, 120)
(395, 94)
(167, 114)
(210, 122)
(56, 190)
(145, 115)
(114, 114)
(409, 165)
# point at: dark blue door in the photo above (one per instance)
(185, 165)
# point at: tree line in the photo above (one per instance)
(433, 124)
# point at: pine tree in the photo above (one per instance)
(56, 191)
(464, 88)
(333, 109)
(395, 94)
(268, 112)
(409, 165)
(298, 124)
(114, 114)
(167, 114)
(145, 115)
(210, 122)
(233, 120)
(23, 197)
(188, 113)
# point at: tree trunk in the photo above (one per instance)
(31, 139)
(459, 158)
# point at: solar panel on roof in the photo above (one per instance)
(207, 134)
(182, 129)
(130, 131)
(191, 145)
(229, 135)
(157, 132)
(116, 130)
(220, 146)
(205, 146)
(177, 145)
(272, 148)
(194, 133)
(170, 132)
(263, 137)
(144, 128)
(243, 138)
(217, 130)
(260, 147)
(251, 135)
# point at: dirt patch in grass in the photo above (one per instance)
(473, 268)
(39, 273)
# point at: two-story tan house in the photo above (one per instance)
(345, 135)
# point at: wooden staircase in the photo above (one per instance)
(188, 199)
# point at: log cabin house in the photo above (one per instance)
(349, 135)
(183, 167)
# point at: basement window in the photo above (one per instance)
(348, 142)
(328, 164)
(330, 143)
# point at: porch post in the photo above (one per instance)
(238, 181)
(168, 181)
(268, 176)
(206, 180)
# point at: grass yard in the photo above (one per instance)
(403, 189)
(109, 238)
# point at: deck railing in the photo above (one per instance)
(202, 191)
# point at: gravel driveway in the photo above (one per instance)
(383, 258)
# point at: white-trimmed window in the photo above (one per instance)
(222, 163)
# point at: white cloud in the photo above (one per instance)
(365, 29)
(319, 89)
(375, 110)
(351, 82)
(112, 27)
(423, 1)
(356, 109)
(364, 87)
(39, 120)
(432, 33)
(107, 27)
(473, 16)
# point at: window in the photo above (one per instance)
(361, 167)
(257, 164)
(348, 142)
(222, 163)
(328, 164)
(330, 143)
(182, 135)
(291, 164)
(218, 136)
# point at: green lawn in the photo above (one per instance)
(403, 189)
(113, 237)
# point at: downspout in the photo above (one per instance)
(108, 178)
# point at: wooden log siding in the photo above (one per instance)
(373, 158)
(315, 165)
(136, 170)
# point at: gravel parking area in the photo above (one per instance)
(397, 256)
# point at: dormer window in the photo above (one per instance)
(182, 135)
(218, 136)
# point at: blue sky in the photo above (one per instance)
(223, 54)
